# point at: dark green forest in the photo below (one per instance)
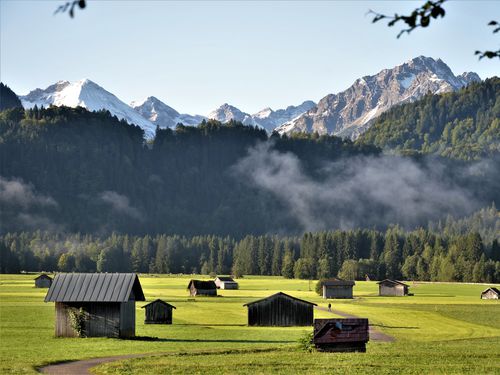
(448, 251)
(83, 191)
(463, 125)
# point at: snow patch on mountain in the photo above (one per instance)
(89, 95)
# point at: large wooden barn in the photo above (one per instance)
(158, 312)
(392, 288)
(225, 282)
(43, 281)
(107, 301)
(336, 288)
(281, 310)
(202, 288)
(490, 293)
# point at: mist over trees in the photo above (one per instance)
(454, 253)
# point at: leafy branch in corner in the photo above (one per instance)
(71, 6)
(420, 17)
(490, 54)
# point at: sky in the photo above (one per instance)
(197, 55)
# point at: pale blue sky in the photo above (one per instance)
(197, 55)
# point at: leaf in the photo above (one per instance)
(424, 21)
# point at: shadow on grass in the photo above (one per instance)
(241, 341)
(211, 324)
(384, 326)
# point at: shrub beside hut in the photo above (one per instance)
(95, 304)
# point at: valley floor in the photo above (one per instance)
(443, 328)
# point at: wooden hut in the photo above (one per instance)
(281, 310)
(158, 312)
(341, 335)
(202, 288)
(490, 293)
(43, 281)
(392, 288)
(225, 282)
(103, 302)
(336, 288)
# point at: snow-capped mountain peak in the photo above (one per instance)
(88, 94)
(349, 113)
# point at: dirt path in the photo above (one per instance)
(375, 334)
(83, 367)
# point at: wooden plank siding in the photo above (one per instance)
(280, 310)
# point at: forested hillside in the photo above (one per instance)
(71, 170)
(462, 125)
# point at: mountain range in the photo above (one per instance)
(347, 114)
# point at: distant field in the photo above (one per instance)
(443, 328)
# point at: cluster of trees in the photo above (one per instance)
(8, 98)
(463, 125)
(423, 254)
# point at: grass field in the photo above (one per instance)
(443, 328)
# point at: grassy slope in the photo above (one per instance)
(443, 328)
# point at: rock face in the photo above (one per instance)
(349, 112)
(163, 115)
(266, 118)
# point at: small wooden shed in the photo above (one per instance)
(336, 288)
(389, 287)
(341, 335)
(158, 312)
(225, 282)
(202, 288)
(106, 301)
(490, 293)
(43, 281)
(281, 310)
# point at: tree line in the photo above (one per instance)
(456, 253)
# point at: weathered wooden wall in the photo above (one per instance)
(202, 292)
(158, 313)
(43, 283)
(489, 295)
(394, 290)
(228, 285)
(103, 319)
(337, 291)
(280, 311)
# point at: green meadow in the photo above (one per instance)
(442, 329)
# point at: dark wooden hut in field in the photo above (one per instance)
(280, 309)
(341, 335)
(158, 312)
(336, 288)
(43, 281)
(202, 288)
(225, 282)
(106, 300)
(490, 293)
(392, 288)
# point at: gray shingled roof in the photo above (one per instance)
(280, 294)
(95, 287)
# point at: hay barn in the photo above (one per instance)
(107, 301)
(341, 335)
(281, 310)
(202, 288)
(490, 293)
(392, 288)
(158, 312)
(225, 282)
(335, 288)
(43, 281)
